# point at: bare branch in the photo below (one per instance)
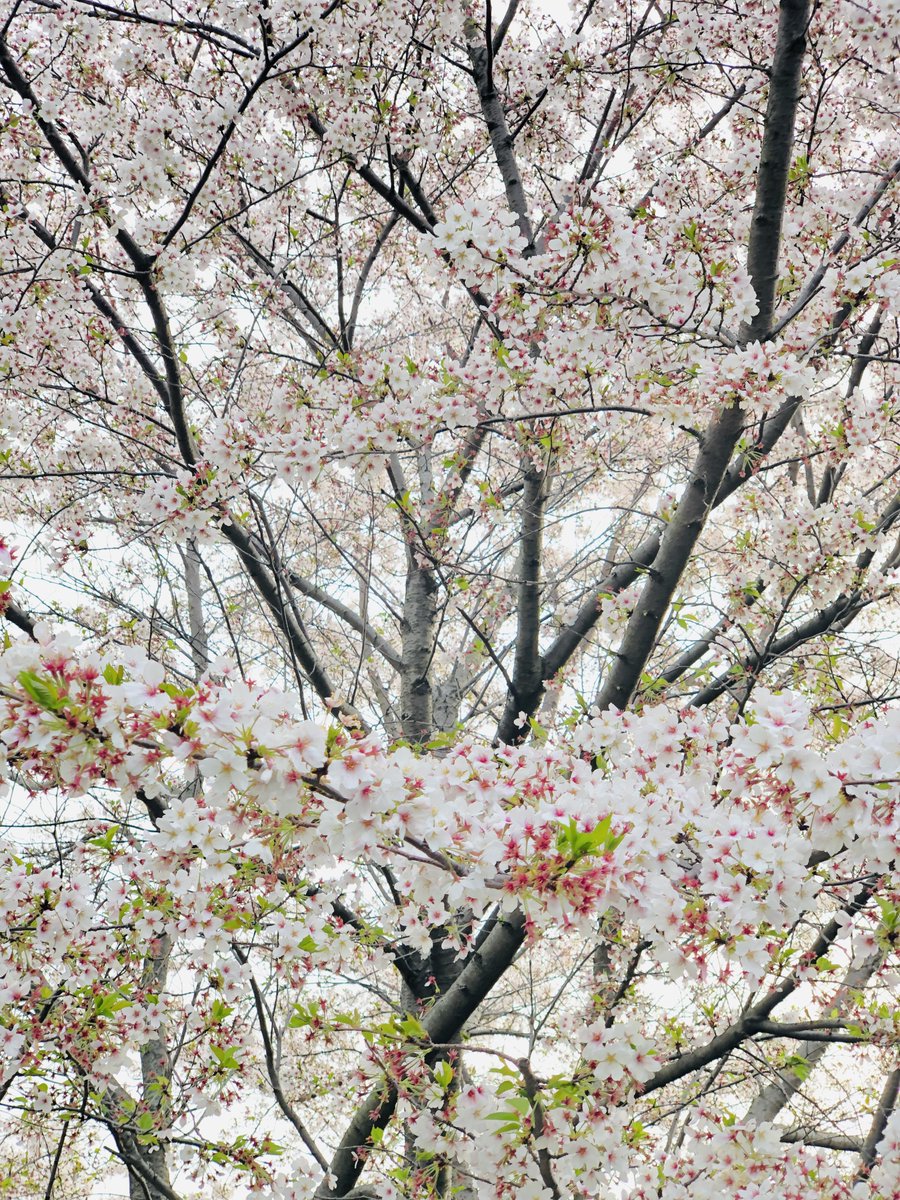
(771, 1099)
(293, 292)
(348, 616)
(723, 1043)
(259, 567)
(19, 617)
(275, 1079)
(194, 587)
(828, 1141)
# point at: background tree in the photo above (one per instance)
(449, 469)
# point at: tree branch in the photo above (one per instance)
(292, 292)
(104, 306)
(828, 1141)
(199, 639)
(832, 618)
(527, 678)
(696, 651)
(729, 1039)
(259, 567)
(545, 1163)
(671, 553)
(371, 258)
(307, 588)
(503, 28)
(675, 549)
(443, 1023)
(886, 1104)
(480, 56)
(771, 1099)
(811, 287)
(19, 617)
(275, 1079)
(774, 164)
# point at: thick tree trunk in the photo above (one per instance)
(419, 621)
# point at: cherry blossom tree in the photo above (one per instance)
(448, 697)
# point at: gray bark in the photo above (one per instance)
(528, 670)
(156, 1077)
(776, 1095)
(480, 49)
(194, 588)
(419, 630)
(886, 1104)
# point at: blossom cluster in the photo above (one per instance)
(703, 841)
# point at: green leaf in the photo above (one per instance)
(890, 913)
(304, 1015)
(599, 840)
(105, 841)
(110, 1003)
(538, 732)
(219, 1011)
(510, 1120)
(637, 1133)
(412, 1027)
(225, 1057)
(42, 692)
(443, 1074)
(690, 232)
(442, 739)
(798, 172)
(799, 1065)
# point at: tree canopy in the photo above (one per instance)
(449, 565)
